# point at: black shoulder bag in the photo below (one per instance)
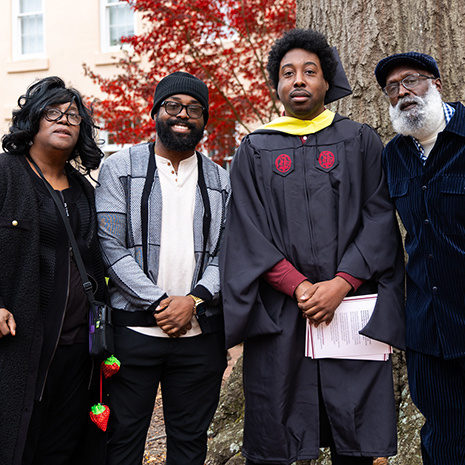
(100, 327)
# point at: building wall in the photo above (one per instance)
(72, 37)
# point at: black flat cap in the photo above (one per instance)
(414, 58)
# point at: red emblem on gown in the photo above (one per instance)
(283, 163)
(326, 159)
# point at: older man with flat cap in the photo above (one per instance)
(161, 208)
(425, 166)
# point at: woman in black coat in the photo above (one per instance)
(45, 367)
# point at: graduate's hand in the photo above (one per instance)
(175, 315)
(319, 302)
(302, 289)
(7, 323)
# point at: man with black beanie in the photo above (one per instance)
(161, 209)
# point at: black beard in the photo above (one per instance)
(175, 141)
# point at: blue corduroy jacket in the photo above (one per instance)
(430, 199)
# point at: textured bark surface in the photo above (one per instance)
(225, 432)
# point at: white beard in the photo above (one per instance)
(421, 120)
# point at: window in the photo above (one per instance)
(28, 29)
(117, 21)
(109, 146)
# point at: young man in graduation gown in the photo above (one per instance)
(310, 222)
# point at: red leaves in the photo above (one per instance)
(225, 43)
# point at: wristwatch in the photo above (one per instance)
(197, 302)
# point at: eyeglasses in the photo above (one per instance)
(409, 82)
(174, 108)
(53, 114)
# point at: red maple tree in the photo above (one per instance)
(223, 42)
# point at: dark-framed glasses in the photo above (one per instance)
(174, 108)
(409, 82)
(53, 114)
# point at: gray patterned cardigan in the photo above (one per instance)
(125, 190)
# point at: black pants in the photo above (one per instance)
(438, 390)
(59, 421)
(189, 371)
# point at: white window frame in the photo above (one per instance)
(16, 33)
(105, 6)
(107, 147)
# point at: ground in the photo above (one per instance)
(156, 439)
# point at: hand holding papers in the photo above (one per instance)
(341, 338)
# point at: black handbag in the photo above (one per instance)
(101, 343)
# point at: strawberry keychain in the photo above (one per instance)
(110, 366)
(99, 413)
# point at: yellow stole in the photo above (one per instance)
(300, 127)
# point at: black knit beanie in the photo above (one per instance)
(181, 83)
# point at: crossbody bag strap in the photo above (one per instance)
(152, 166)
(87, 285)
(207, 217)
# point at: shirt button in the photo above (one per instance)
(172, 172)
(14, 223)
(426, 221)
(423, 188)
(430, 256)
(435, 289)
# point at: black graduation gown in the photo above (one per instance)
(324, 206)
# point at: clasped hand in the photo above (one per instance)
(175, 314)
(7, 323)
(319, 301)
